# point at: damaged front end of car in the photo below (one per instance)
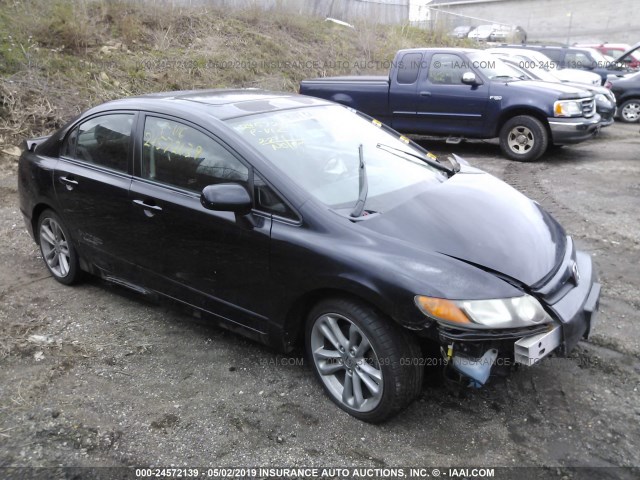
(478, 336)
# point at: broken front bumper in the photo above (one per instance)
(572, 298)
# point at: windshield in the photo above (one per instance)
(492, 67)
(318, 149)
(536, 68)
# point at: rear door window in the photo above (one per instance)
(104, 141)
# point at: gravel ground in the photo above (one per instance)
(94, 375)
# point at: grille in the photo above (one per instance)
(588, 107)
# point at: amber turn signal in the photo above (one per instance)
(441, 309)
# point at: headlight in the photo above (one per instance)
(567, 108)
(513, 312)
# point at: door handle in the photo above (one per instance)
(425, 94)
(147, 206)
(68, 180)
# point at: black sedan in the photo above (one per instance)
(627, 90)
(293, 220)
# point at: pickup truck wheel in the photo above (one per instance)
(630, 111)
(365, 363)
(523, 138)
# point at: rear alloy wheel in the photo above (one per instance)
(523, 138)
(366, 364)
(58, 252)
(630, 111)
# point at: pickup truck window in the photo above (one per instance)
(555, 54)
(408, 68)
(447, 69)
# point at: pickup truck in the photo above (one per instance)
(467, 93)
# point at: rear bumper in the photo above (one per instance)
(573, 130)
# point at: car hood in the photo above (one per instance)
(477, 218)
(634, 48)
(578, 76)
(559, 89)
(590, 88)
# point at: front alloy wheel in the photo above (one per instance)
(366, 364)
(630, 111)
(348, 365)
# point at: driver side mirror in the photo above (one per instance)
(226, 197)
(469, 78)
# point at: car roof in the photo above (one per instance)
(440, 49)
(622, 46)
(219, 103)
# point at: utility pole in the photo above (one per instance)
(570, 15)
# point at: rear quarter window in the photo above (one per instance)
(408, 68)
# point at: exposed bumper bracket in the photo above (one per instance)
(530, 350)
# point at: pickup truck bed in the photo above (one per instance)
(369, 94)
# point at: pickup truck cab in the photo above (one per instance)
(467, 93)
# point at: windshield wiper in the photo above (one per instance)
(363, 184)
(426, 160)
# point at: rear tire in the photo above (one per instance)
(523, 138)
(58, 252)
(366, 364)
(630, 111)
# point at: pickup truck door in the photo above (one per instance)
(444, 104)
(403, 89)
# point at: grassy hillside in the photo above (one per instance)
(59, 57)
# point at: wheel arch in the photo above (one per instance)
(526, 111)
(627, 96)
(36, 212)
(295, 318)
(343, 99)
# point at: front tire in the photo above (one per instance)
(365, 363)
(630, 111)
(523, 138)
(58, 251)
